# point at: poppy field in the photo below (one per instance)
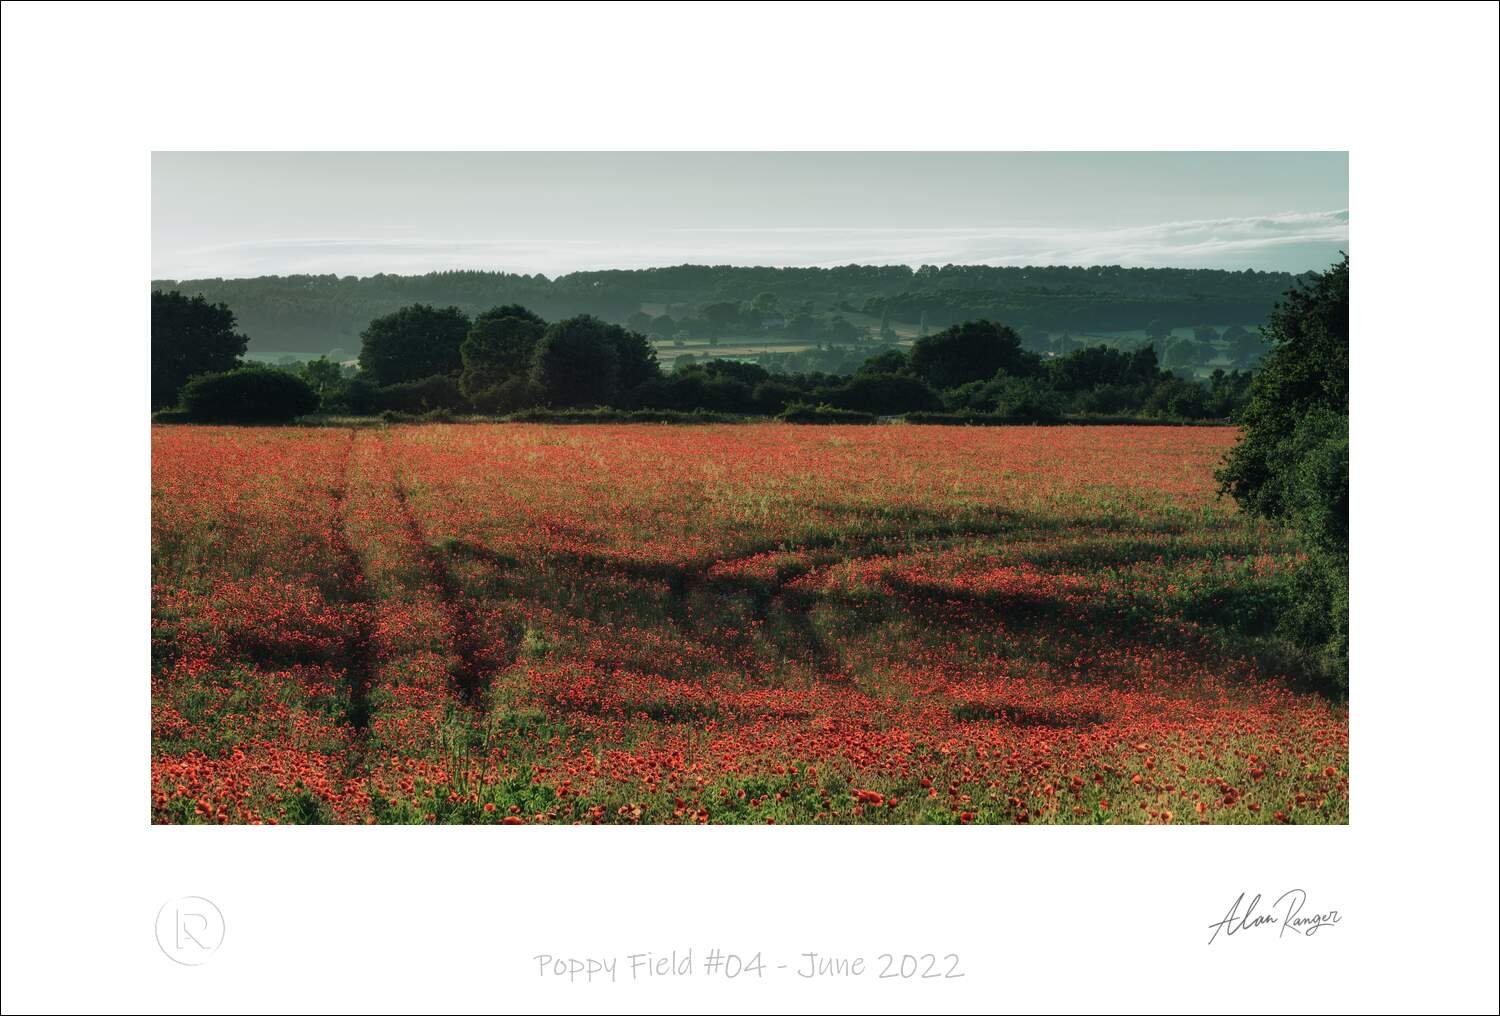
(759, 623)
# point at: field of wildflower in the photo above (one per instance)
(763, 623)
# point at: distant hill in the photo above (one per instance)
(318, 313)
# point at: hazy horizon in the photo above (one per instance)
(247, 214)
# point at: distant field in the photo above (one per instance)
(757, 623)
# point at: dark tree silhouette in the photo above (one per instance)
(972, 351)
(189, 336)
(248, 395)
(577, 363)
(413, 343)
(499, 347)
(636, 357)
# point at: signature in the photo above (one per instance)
(1286, 914)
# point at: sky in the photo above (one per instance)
(240, 214)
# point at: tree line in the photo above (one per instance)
(317, 313)
(426, 359)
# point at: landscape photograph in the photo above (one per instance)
(749, 507)
(789, 488)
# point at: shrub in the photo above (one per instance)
(803, 413)
(440, 391)
(1178, 398)
(356, 396)
(693, 390)
(884, 394)
(510, 396)
(604, 414)
(248, 395)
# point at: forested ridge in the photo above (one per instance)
(320, 313)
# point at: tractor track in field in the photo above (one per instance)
(471, 677)
(359, 650)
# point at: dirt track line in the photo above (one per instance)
(472, 677)
(358, 648)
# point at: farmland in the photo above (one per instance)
(517, 623)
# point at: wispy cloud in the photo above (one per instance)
(1245, 242)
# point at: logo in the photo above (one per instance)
(189, 930)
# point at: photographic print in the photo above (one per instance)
(994, 488)
(749, 507)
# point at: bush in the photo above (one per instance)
(440, 391)
(355, 397)
(773, 396)
(248, 395)
(170, 416)
(804, 413)
(693, 390)
(884, 394)
(1022, 399)
(604, 414)
(510, 396)
(1178, 398)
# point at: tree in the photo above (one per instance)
(577, 363)
(889, 361)
(803, 326)
(1306, 369)
(498, 347)
(413, 343)
(1093, 366)
(423, 395)
(323, 376)
(972, 351)
(840, 329)
(636, 356)
(254, 394)
(189, 336)
(1185, 353)
(1291, 464)
(883, 394)
(1245, 347)
(721, 317)
(1176, 397)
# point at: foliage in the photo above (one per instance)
(315, 312)
(883, 394)
(412, 343)
(250, 394)
(1306, 370)
(972, 351)
(189, 336)
(498, 348)
(1292, 463)
(577, 364)
(804, 413)
(439, 391)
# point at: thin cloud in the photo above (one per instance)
(1245, 242)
